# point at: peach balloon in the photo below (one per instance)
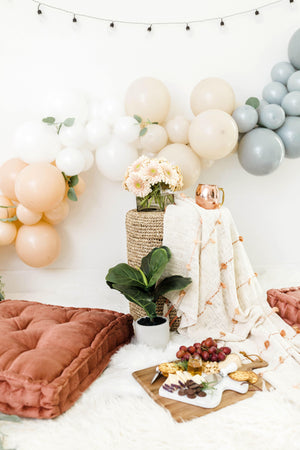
(5, 213)
(148, 98)
(213, 134)
(212, 93)
(8, 231)
(154, 140)
(38, 245)
(80, 187)
(8, 174)
(26, 216)
(57, 214)
(178, 130)
(40, 187)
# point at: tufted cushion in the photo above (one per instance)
(50, 354)
(287, 301)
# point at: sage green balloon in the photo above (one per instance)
(246, 118)
(272, 116)
(261, 151)
(282, 71)
(274, 92)
(291, 103)
(294, 82)
(294, 49)
(290, 135)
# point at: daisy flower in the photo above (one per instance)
(138, 164)
(152, 172)
(138, 185)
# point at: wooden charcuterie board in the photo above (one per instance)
(182, 412)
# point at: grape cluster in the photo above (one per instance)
(208, 350)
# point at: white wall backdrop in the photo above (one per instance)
(39, 53)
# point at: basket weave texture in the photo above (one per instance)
(144, 232)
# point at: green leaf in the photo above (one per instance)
(174, 283)
(147, 266)
(125, 275)
(10, 206)
(65, 177)
(253, 101)
(69, 121)
(137, 118)
(10, 219)
(72, 195)
(9, 418)
(154, 264)
(73, 181)
(139, 297)
(143, 131)
(50, 120)
(1, 298)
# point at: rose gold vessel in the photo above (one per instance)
(208, 196)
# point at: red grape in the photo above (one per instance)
(226, 350)
(208, 342)
(180, 354)
(205, 355)
(191, 349)
(214, 357)
(186, 356)
(212, 350)
(221, 356)
(183, 347)
(197, 345)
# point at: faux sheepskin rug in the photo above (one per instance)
(116, 413)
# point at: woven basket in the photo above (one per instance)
(144, 232)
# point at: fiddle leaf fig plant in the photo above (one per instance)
(141, 285)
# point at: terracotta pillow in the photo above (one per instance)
(288, 302)
(50, 354)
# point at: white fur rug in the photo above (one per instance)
(115, 412)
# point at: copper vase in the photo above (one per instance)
(208, 196)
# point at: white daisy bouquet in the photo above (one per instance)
(153, 182)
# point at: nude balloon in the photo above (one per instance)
(154, 140)
(184, 157)
(8, 174)
(8, 231)
(178, 130)
(58, 214)
(148, 98)
(38, 245)
(40, 187)
(6, 213)
(26, 216)
(80, 187)
(213, 134)
(212, 93)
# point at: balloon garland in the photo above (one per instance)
(51, 153)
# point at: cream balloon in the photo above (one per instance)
(74, 136)
(184, 157)
(26, 216)
(40, 187)
(58, 214)
(148, 98)
(89, 159)
(6, 213)
(80, 187)
(8, 174)
(98, 132)
(213, 134)
(113, 158)
(38, 245)
(34, 141)
(178, 130)
(212, 93)
(154, 140)
(8, 231)
(70, 161)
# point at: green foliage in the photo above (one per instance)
(143, 125)
(69, 122)
(137, 118)
(143, 131)
(72, 181)
(72, 195)
(6, 418)
(2, 297)
(253, 101)
(141, 285)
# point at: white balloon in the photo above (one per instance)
(94, 109)
(127, 129)
(64, 103)
(110, 110)
(113, 159)
(89, 159)
(98, 132)
(74, 136)
(35, 142)
(71, 161)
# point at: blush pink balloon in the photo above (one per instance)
(6, 213)
(26, 216)
(8, 174)
(8, 231)
(38, 245)
(40, 187)
(57, 214)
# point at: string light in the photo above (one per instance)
(149, 27)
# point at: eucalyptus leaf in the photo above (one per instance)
(69, 121)
(72, 195)
(143, 131)
(173, 283)
(253, 101)
(137, 118)
(65, 177)
(9, 219)
(125, 275)
(10, 206)
(73, 181)
(50, 120)
(9, 418)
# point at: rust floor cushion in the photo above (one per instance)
(50, 354)
(287, 300)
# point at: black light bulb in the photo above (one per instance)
(257, 12)
(39, 11)
(74, 19)
(187, 27)
(222, 23)
(291, 1)
(149, 28)
(112, 25)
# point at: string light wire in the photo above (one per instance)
(186, 24)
